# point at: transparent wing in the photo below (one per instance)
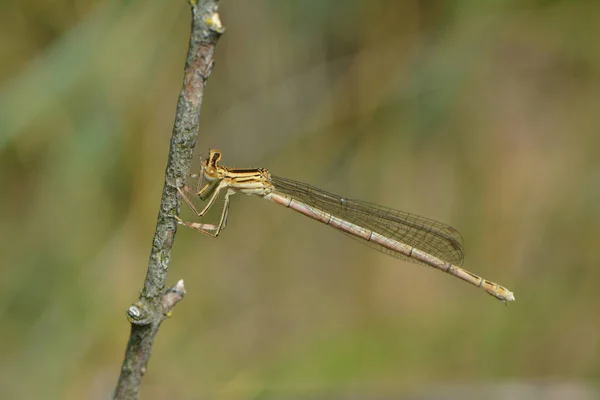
(425, 234)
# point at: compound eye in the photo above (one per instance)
(210, 173)
(214, 155)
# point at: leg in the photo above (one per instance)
(210, 203)
(206, 229)
(201, 191)
(225, 214)
(200, 176)
(210, 229)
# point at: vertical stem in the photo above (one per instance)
(151, 309)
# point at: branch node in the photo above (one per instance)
(213, 21)
(137, 314)
(172, 296)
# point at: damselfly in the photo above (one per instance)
(406, 236)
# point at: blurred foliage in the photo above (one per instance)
(479, 114)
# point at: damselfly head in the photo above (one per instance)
(210, 167)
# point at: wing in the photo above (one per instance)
(428, 235)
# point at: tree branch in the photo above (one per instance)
(155, 304)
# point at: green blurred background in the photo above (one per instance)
(484, 115)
